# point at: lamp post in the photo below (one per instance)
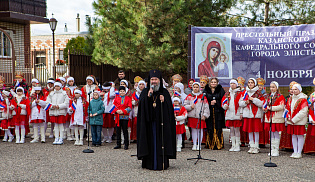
(53, 24)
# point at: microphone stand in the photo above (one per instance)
(162, 126)
(270, 164)
(88, 150)
(200, 139)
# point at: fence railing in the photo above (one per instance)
(80, 66)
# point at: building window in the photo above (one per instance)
(40, 58)
(61, 54)
(5, 46)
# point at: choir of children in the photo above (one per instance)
(248, 111)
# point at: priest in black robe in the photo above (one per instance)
(154, 103)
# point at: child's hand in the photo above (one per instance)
(203, 118)
(119, 112)
(95, 114)
(70, 109)
(193, 106)
(37, 101)
(91, 115)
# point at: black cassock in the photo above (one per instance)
(149, 131)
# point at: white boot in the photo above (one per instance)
(36, 137)
(194, 147)
(60, 141)
(237, 147)
(179, 145)
(11, 138)
(105, 139)
(233, 144)
(42, 134)
(5, 138)
(198, 147)
(22, 135)
(69, 135)
(56, 141)
(76, 135)
(17, 136)
(81, 136)
(276, 148)
(272, 147)
(252, 146)
(64, 134)
(256, 148)
(109, 140)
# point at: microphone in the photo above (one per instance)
(90, 92)
(152, 86)
(203, 96)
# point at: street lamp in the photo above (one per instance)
(53, 25)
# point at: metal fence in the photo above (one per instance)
(80, 66)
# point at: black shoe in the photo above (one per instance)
(126, 147)
(117, 147)
(262, 146)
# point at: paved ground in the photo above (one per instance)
(47, 162)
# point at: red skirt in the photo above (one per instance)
(234, 123)
(37, 121)
(275, 127)
(4, 124)
(192, 122)
(285, 140)
(180, 129)
(108, 120)
(19, 121)
(309, 146)
(296, 129)
(58, 119)
(133, 133)
(252, 125)
(11, 123)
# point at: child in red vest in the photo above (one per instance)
(121, 108)
(6, 115)
(20, 114)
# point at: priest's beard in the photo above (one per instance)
(156, 88)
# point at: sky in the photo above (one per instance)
(65, 11)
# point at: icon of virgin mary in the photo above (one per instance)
(207, 66)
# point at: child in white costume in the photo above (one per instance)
(38, 114)
(180, 115)
(233, 117)
(108, 118)
(57, 104)
(78, 110)
(192, 104)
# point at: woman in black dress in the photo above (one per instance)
(216, 121)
